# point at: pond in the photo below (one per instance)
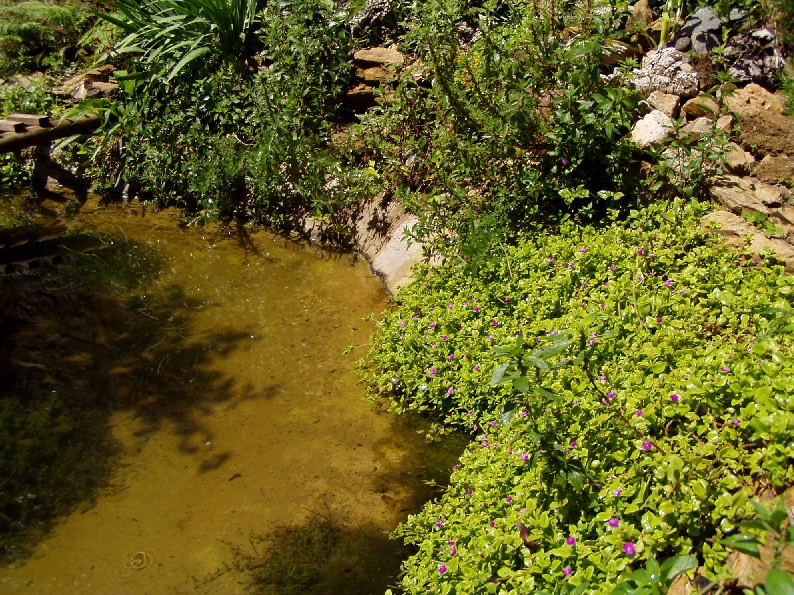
(239, 454)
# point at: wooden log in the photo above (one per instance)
(30, 119)
(41, 136)
(9, 126)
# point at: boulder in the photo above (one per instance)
(725, 123)
(652, 130)
(699, 126)
(739, 195)
(374, 75)
(359, 98)
(640, 16)
(667, 70)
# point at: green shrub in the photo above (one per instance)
(630, 388)
(515, 127)
(221, 141)
(35, 34)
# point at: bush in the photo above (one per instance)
(218, 140)
(514, 128)
(630, 388)
(35, 34)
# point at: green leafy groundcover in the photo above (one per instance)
(630, 389)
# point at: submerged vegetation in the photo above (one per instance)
(627, 381)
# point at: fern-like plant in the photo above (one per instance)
(167, 35)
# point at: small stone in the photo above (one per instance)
(699, 126)
(665, 102)
(737, 160)
(724, 123)
(652, 130)
(701, 106)
(379, 56)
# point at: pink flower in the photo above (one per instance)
(614, 522)
(524, 457)
(573, 443)
(618, 492)
(629, 548)
(675, 398)
(638, 413)
(571, 540)
(442, 569)
(509, 499)
(647, 445)
(567, 571)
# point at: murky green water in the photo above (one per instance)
(243, 437)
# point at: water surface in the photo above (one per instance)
(241, 429)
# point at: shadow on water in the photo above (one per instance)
(73, 353)
(329, 554)
(75, 350)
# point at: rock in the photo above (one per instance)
(699, 126)
(701, 106)
(641, 16)
(748, 194)
(701, 32)
(100, 73)
(639, 24)
(378, 56)
(755, 57)
(774, 169)
(105, 89)
(725, 122)
(652, 130)
(737, 160)
(359, 98)
(374, 75)
(762, 126)
(375, 21)
(736, 232)
(667, 70)
(754, 99)
(380, 236)
(665, 102)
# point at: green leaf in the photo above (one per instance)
(779, 582)
(197, 53)
(521, 383)
(672, 567)
(498, 375)
(747, 544)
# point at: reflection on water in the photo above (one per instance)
(247, 449)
